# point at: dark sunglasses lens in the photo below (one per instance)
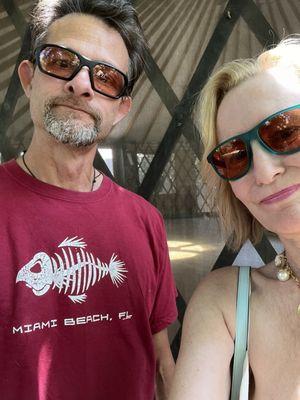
(59, 62)
(231, 160)
(107, 80)
(282, 133)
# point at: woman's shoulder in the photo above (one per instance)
(215, 297)
(220, 281)
(207, 339)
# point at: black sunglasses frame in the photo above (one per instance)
(249, 136)
(84, 62)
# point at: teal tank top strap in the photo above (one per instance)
(241, 334)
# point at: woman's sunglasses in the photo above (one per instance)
(278, 134)
(63, 63)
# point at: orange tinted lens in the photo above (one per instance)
(108, 80)
(282, 133)
(59, 62)
(231, 160)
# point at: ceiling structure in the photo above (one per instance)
(178, 32)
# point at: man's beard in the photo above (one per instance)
(67, 129)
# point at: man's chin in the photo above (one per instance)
(75, 143)
(72, 133)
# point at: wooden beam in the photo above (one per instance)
(170, 100)
(14, 89)
(100, 165)
(265, 250)
(160, 84)
(181, 307)
(226, 257)
(259, 25)
(181, 116)
(12, 95)
(16, 16)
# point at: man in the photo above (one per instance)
(86, 287)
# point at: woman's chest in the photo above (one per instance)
(274, 344)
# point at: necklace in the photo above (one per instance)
(95, 177)
(94, 180)
(285, 271)
(26, 166)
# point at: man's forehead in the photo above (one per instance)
(88, 31)
(77, 22)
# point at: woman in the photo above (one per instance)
(250, 121)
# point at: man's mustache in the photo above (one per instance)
(77, 104)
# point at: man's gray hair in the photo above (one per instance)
(118, 14)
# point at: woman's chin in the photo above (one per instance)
(285, 227)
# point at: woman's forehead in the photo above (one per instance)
(244, 106)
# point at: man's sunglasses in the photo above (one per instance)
(278, 134)
(63, 63)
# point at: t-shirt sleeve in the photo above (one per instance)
(164, 310)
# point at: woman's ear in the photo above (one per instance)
(26, 71)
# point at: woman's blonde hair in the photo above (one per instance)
(236, 220)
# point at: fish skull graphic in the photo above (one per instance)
(73, 270)
(40, 281)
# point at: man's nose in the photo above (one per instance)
(266, 166)
(80, 85)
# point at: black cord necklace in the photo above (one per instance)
(94, 180)
(26, 166)
(95, 177)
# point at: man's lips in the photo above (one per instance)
(281, 195)
(73, 108)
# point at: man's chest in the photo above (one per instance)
(61, 265)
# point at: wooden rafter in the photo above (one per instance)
(181, 120)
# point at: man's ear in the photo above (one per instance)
(26, 71)
(124, 108)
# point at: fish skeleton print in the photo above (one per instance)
(73, 272)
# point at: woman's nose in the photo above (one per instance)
(266, 166)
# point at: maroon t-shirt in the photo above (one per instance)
(85, 280)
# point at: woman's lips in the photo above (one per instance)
(281, 195)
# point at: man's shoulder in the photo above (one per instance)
(4, 166)
(6, 171)
(136, 200)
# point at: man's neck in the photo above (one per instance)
(61, 165)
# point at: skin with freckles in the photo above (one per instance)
(203, 366)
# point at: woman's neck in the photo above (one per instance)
(292, 251)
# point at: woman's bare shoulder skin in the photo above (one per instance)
(203, 367)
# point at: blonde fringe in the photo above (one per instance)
(236, 221)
